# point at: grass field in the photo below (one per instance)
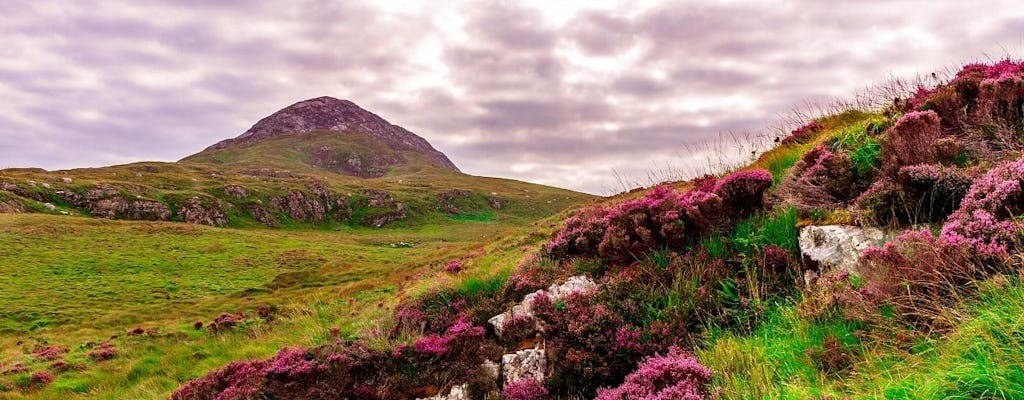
(69, 281)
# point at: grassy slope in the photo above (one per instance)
(70, 280)
(76, 280)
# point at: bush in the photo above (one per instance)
(673, 376)
(804, 134)
(919, 194)
(526, 389)
(822, 179)
(103, 352)
(986, 218)
(663, 218)
(912, 279)
(911, 141)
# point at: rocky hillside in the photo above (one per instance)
(339, 117)
(318, 162)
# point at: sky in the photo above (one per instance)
(587, 95)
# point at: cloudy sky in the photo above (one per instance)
(578, 94)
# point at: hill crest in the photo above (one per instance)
(333, 115)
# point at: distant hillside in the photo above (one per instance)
(318, 162)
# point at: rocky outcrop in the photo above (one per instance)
(385, 209)
(449, 197)
(9, 205)
(575, 284)
(119, 207)
(829, 247)
(261, 215)
(195, 211)
(236, 191)
(342, 116)
(524, 364)
(353, 163)
(312, 207)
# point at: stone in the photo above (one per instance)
(574, 284)
(50, 206)
(236, 191)
(118, 207)
(45, 185)
(460, 392)
(524, 364)
(66, 179)
(837, 246)
(195, 212)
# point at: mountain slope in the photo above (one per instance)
(319, 162)
(386, 145)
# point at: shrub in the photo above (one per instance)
(911, 141)
(663, 218)
(49, 353)
(226, 321)
(453, 266)
(833, 357)
(673, 376)
(822, 179)
(103, 352)
(919, 194)
(912, 279)
(804, 133)
(40, 379)
(239, 380)
(985, 219)
(526, 389)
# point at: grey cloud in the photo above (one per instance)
(171, 77)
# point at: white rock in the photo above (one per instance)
(50, 207)
(460, 392)
(837, 246)
(67, 179)
(575, 284)
(524, 364)
(46, 185)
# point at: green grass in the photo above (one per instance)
(72, 280)
(982, 358)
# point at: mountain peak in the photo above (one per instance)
(330, 114)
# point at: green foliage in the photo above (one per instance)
(862, 145)
(775, 228)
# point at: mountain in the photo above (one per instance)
(351, 140)
(320, 162)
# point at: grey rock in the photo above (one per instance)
(574, 284)
(524, 364)
(460, 392)
(837, 246)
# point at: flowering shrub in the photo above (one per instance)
(664, 217)
(592, 342)
(919, 193)
(49, 353)
(453, 266)
(40, 379)
(985, 219)
(914, 276)
(226, 321)
(103, 352)
(821, 179)
(526, 389)
(982, 102)
(239, 380)
(911, 141)
(64, 366)
(804, 133)
(16, 368)
(833, 357)
(673, 376)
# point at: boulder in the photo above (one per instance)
(524, 364)
(574, 284)
(837, 246)
(236, 191)
(119, 207)
(11, 206)
(195, 212)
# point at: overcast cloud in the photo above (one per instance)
(576, 94)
